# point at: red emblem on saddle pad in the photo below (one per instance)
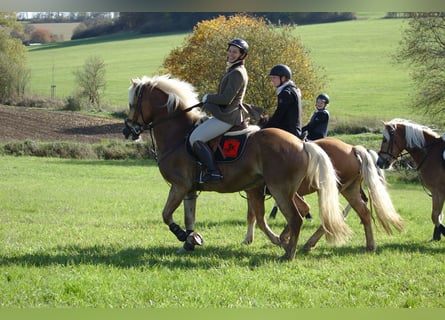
(230, 148)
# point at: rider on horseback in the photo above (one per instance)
(225, 108)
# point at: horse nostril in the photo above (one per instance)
(126, 132)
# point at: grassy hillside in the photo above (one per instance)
(126, 56)
(364, 83)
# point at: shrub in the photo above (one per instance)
(39, 35)
(107, 150)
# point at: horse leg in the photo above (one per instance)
(255, 200)
(312, 242)
(193, 238)
(436, 216)
(173, 201)
(294, 222)
(302, 205)
(251, 221)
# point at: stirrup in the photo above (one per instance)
(212, 177)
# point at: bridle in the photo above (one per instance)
(391, 142)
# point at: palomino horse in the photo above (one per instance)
(426, 148)
(162, 105)
(353, 164)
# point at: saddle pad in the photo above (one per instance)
(230, 148)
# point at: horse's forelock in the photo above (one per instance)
(136, 83)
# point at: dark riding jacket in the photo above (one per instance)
(317, 127)
(287, 116)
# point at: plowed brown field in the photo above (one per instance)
(20, 123)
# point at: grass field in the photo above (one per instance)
(364, 83)
(90, 234)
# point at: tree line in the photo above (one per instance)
(101, 23)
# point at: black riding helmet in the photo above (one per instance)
(240, 43)
(324, 97)
(281, 70)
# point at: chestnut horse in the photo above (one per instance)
(426, 149)
(353, 164)
(166, 107)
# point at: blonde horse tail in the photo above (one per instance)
(323, 178)
(378, 194)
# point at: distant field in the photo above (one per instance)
(126, 56)
(364, 83)
(63, 30)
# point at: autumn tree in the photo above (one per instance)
(91, 81)
(14, 75)
(201, 59)
(423, 49)
(40, 36)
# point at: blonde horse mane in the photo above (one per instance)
(180, 93)
(414, 133)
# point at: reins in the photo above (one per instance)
(152, 124)
(170, 116)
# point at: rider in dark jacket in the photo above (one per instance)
(287, 116)
(317, 127)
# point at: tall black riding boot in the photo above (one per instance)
(204, 154)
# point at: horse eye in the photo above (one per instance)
(384, 140)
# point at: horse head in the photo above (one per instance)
(151, 100)
(399, 135)
(393, 143)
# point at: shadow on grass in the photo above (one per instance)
(163, 256)
(424, 248)
(206, 257)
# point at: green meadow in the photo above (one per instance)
(89, 234)
(364, 83)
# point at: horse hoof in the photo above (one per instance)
(273, 213)
(285, 258)
(370, 250)
(442, 229)
(436, 234)
(195, 239)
